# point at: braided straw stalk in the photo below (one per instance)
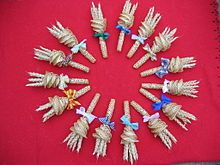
(176, 65)
(176, 87)
(58, 104)
(172, 110)
(99, 26)
(56, 58)
(52, 80)
(103, 133)
(161, 43)
(126, 19)
(157, 127)
(80, 128)
(66, 37)
(129, 138)
(145, 30)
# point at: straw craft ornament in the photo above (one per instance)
(81, 126)
(156, 125)
(58, 104)
(53, 80)
(128, 137)
(175, 87)
(125, 22)
(58, 58)
(172, 110)
(161, 43)
(103, 133)
(66, 37)
(145, 30)
(99, 24)
(175, 65)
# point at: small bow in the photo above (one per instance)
(63, 81)
(104, 35)
(165, 86)
(138, 38)
(66, 60)
(124, 29)
(153, 56)
(106, 121)
(164, 100)
(82, 111)
(164, 68)
(152, 117)
(77, 47)
(70, 94)
(125, 121)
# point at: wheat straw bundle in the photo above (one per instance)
(53, 80)
(57, 58)
(58, 104)
(128, 137)
(145, 30)
(175, 65)
(175, 87)
(81, 126)
(66, 37)
(99, 24)
(125, 22)
(161, 43)
(172, 110)
(103, 133)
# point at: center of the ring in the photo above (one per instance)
(115, 78)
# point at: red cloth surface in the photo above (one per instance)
(24, 139)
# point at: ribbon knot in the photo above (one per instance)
(82, 111)
(164, 68)
(125, 121)
(124, 29)
(164, 100)
(105, 120)
(76, 48)
(63, 81)
(138, 38)
(104, 35)
(165, 86)
(66, 60)
(71, 95)
(153, 56)
(150, 118)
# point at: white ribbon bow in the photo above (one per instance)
(77, 47)
(165, 86)
(63, 81)
(138, 38)
(149, 118)
(153, 56)
(82, 111)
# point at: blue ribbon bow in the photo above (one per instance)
(164, 68)
(104, 35)
(138, 38)
(106, 121)
(77, 47)
(125, 121)
(164, 100)
(124, 29)
(66, 60)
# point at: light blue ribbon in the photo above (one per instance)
(82, 111)
(164, 100)
(164, 68)
(125, 121)
(138, 38)
(124, 29)
(106, 121)
(77, 47)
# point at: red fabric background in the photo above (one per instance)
(24, 139)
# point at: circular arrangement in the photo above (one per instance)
(102, 134)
